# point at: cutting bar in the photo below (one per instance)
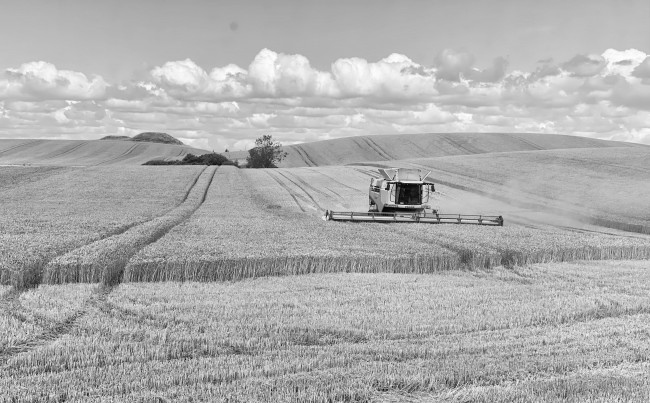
(413, 217)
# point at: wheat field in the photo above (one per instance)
(55, 211)
(547, 332)
(266, 222)
(156, 284)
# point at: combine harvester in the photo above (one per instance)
(401, 196)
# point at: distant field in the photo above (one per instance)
(606, 186)
(87, 152)
(549, 332)
(402, 146)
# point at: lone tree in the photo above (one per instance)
(266, 153)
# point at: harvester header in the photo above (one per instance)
(401, 195)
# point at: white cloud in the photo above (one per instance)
(43, 81)
(184, 79)
(453, 64)
(622, 62)
(395, 77)
(585, 65)
(603, 96)
(273, 74)
(642, 70)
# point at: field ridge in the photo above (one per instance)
(88, 152)
(392, 147)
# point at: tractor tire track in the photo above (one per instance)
(59, 153)
(304, 183)
(291, 193)
(10, 303)
(124, 154)
(55, 330)
(193, 183)
(33, 142)
(336, 193)
(332, 179)
(363, 146)
(302, 157)
(305, 156)
(467, 149)
(584, 161)
(371, 147)
(366, 172)
(375, 147)
(304, 190)
(525, 141)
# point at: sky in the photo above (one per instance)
(217, 74)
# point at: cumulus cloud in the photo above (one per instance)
(393, 78)
(585, 65)
(452, 64)
(493, 73)
(603, 96)
(273, 74)
(622, 62)
(643, 69)
(184, 79)
(42, 80)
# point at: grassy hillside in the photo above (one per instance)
(87, 152)
(402, 146)
(151, 137)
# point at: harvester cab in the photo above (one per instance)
(399, 190)
(401, 195)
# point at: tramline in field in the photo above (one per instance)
(401, 195)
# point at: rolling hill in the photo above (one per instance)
(609, 186)
(87, 152)
(404, 146)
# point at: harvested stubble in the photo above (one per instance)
(57, 213)
(27, 315)
(334, 337)
(104, 260)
